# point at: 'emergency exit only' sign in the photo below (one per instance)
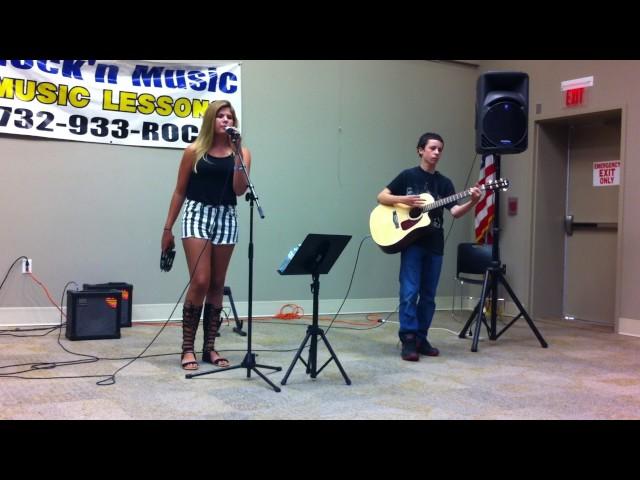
(606, 173)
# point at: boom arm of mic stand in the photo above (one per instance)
(254, 195)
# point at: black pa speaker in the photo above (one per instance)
(502, 112)
(127, 298)
(93, 314)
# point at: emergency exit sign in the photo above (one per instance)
(606, 174)
(574, 90)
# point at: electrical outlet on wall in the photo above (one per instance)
(27, 265)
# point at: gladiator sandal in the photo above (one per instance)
(211, 323)
(190, 321)
(207, 313)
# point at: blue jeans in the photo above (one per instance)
(419, 275)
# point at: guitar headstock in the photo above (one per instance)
(498, 184)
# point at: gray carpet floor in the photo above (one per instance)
(587, 372)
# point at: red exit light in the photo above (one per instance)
(574, 97)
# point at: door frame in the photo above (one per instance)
(546, 302)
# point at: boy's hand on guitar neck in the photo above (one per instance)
(476, 193)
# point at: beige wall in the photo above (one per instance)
(354, 125)
(615, 86)
(325, 136)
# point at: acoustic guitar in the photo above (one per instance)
(395, 227)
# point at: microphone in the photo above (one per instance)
(232, 132)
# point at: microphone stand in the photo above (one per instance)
(249, 361)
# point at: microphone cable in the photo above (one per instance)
(384, 320)
(355, 266)
(466, 185)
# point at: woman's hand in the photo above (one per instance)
(167, 243)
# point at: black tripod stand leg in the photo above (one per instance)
(484, 320)
(238, 327)
(335, 358)
(524, 313)
(476, 334)
(296, 358)
(277, 389)
(312, 360)
(223, 369)
(463, 332)
(277, 369)
(250, 364)
(486, 288)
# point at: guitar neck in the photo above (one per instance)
(449, 199)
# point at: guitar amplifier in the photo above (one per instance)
(93, 314)
(127, 298)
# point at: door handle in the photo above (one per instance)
(568, 224)
(595, 225)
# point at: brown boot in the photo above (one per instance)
(211, 323)
(409, 347)
(190, 321)
(425, 348)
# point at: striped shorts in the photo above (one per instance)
(219, 224)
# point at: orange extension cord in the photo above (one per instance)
(295, 312)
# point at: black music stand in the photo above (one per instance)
(315, 257)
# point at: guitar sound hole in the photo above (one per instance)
(415, 212)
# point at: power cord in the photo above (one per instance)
(9, 270)
(350, 283)
(51, 365)
(110, 379)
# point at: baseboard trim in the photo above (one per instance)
(629, 326)
(159, 312)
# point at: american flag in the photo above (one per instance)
(484, 208)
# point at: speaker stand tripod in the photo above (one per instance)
(493, 276)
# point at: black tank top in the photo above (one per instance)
(213, 184)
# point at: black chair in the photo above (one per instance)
(472, 263)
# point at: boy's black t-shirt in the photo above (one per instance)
(414, 181)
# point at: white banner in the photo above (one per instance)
(118, 102)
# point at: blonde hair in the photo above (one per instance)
(206, 134)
